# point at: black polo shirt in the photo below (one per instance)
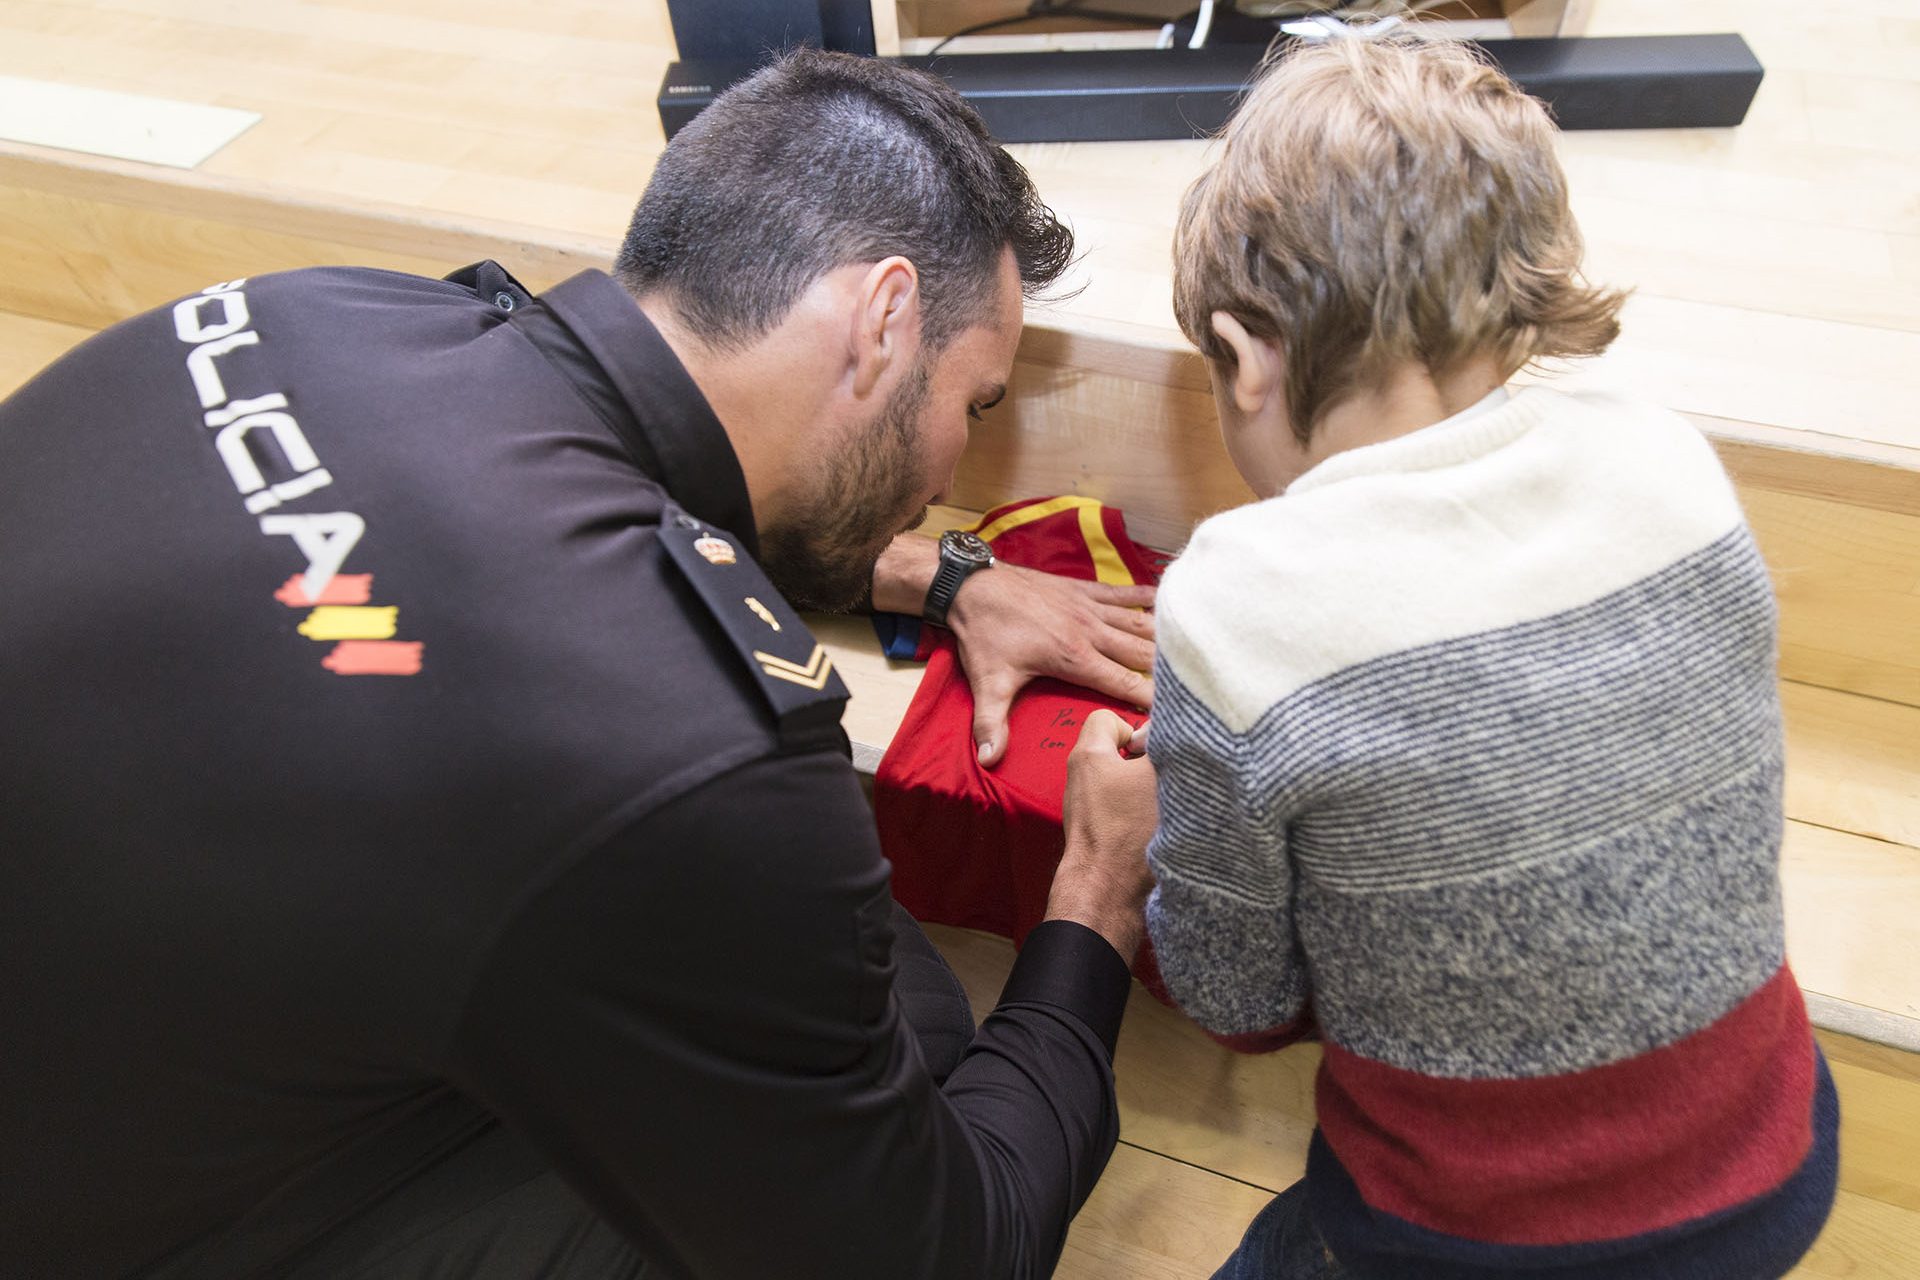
(385, 751)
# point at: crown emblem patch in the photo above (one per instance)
(714, 550)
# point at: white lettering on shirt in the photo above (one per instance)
(325, 538)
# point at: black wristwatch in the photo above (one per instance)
(961, 555)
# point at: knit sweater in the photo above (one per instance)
(1470, 756)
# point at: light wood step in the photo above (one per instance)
(29, 344)
(1850, 863)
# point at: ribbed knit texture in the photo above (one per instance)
(1470, 753)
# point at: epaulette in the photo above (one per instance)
(793, 670)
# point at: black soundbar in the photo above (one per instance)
(1130, 95)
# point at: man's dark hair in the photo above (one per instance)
(821, 160)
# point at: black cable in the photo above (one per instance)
(1112, 15)
(995, 25)
(1044, 9)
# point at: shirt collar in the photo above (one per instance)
(655, 407)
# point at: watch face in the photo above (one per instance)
(965, 547)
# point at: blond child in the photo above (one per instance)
(1467, 736)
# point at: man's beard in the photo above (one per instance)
(821, 556)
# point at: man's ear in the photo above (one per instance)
(886, 323)
(1259, 369)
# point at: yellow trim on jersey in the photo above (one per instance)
(1033, 511)
(1108, 567)
(1107, 564)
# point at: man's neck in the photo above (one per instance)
(742, 390)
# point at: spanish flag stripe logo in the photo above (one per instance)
(350, 622)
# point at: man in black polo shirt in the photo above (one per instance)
(429, 843)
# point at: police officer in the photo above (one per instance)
(429, 843)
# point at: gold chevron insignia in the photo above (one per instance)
(812, 676)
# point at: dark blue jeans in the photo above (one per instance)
(1281, 1244)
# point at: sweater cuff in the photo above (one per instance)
(1069, 966)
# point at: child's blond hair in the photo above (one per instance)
(1380, 200)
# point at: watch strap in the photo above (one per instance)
(946, 585)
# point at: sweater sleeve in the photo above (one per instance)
(1222, 911)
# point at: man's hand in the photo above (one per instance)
(1014, 625)
(1103, 880)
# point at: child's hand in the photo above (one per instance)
(1103, 880)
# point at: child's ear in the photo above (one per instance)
(1259, 370)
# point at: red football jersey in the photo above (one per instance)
(977, 847)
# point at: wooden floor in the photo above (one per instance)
(1777, 276)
